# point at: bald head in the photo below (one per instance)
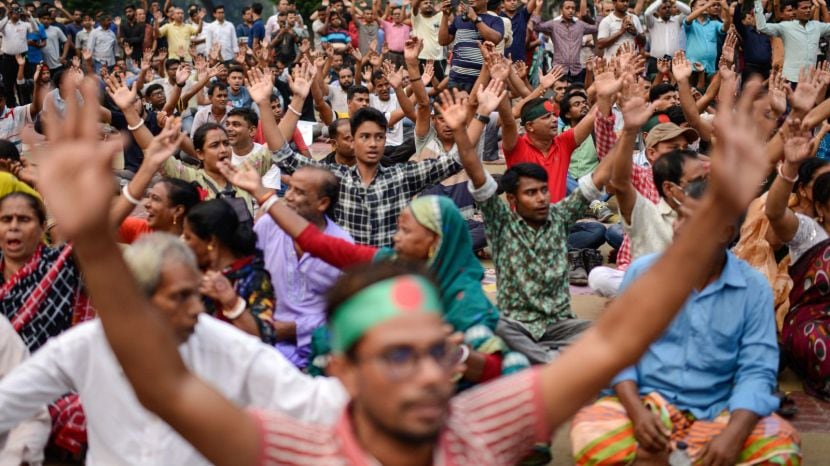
(313, 193)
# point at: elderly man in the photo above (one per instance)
(120, 430)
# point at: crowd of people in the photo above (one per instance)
(187, 278)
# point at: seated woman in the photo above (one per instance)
(168, 199)
(431, 229)
(235, 282)
(804, 334)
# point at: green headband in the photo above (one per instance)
(377, 303)
(537, 110)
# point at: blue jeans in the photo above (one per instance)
(614, 235)
(573, 183)
(586, 235)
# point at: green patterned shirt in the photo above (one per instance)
(532, 264)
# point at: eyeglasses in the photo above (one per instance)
(403, 362)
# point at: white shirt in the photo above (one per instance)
(102, 44)
(664, 36)
(120, 430)
(338, 98)
(426, 29)
(26, 442)
(14, 36)
(12, 121)
(808, 234)
(652, 226)
(394, 133)
(224, 34)
(610, 25)
(272, 26)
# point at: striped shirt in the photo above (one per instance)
(466, 56)
(496, 423)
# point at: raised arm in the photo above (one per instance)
(637, 317)
(423, 114)
(797, 149)
(682, 71)
(774, 29)
(702, 6)
(635, 114)
(223, 432)
(444, 36)
(260, 90)
(395, 79)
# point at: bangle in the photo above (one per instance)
(261, 201)
(294, 111)
(137, 125)
(465, 354)
(129, 197)
(269, 203)
(237, 310)
(784, 177)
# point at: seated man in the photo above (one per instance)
(120, 430)
(707, 382)
(300, 279)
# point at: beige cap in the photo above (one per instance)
(669, 131)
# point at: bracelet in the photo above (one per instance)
(137, 125)
(129, 197)
(264, 198)
(784, 177)
(295, 112)
(482, 118)
(465, 354)
(237, 310)
(269, 203)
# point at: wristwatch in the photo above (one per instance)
(482, 118)
(477, 20)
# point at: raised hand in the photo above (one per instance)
(128, 49)
(798, 146)
(162, 54)
(200, 64)
(453, 108)
(117, 20)
(804, 97)
(161, 118)
(499, 67)
(217, 287)
(85, 162)
(76, 62)
(489, 97)
(259, 86)
(215, 70)
(122, 95)
(429, 73)
(182, 74)
(636, 113)
(21, 60)
(550, 79)
(412, 49)
(663, 66)
(607, 84)
(165, 143)
(243, 177)
(777, 92)
(300, 83)
(740, 164)
(215, 53)
(395, 77)
(520, 68)
(681, 68)
(86, 54)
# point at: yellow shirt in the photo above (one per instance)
(178, 36)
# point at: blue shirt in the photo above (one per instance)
(466, 56)
(757, 46)
(518, 23)
(257, 33)
(720, 352)
(702, 42)
(243, 30)
(241, 100)
(35, 54)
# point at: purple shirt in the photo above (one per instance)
(299, 285)
(567, 40)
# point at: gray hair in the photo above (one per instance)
(147, 255)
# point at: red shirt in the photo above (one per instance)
(555, 162)
(493, 424)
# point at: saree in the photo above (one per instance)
(602, 434)
(41, 300)
(754, 248)
(805, 335)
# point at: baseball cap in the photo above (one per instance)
(667, 131)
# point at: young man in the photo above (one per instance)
(371, 195)
(14, 30)
(395, 105)
(336, 92)
(241, 124)
(284, 42)
(132, 31)
(801, 37)
(82, 37)
(425, 24)
(617, 29)
(465, 37)
(101, 43)
(243, 29)
(223, 33)
(567, 32)
(664, 29)
(395, 34)
(708, 381)
(519, 16)
(238, 95)
(390, 345)
(241, 367)
(368, 26)
(14, 119)
(301, 280)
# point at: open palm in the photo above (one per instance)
(453, 108)
(243, 176)
(165, 144)
(259, 86)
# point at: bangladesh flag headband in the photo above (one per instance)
(377, 303)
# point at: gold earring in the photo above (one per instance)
(210, 247)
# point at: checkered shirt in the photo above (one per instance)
(641, 177)
(370, 212)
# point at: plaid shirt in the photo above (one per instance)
(532, 264)
(641, 177)
(370, 212)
